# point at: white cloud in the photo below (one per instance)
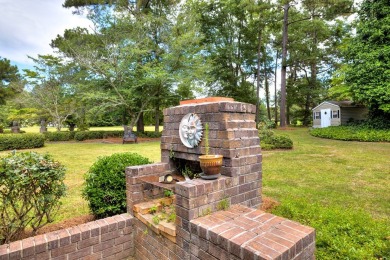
(27, 27)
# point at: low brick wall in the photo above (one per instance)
(109, 238)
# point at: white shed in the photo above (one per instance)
(335, 113)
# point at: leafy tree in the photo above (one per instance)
(368, 55)
(51, 88)
(231, 44)
(10, 81)
(137, 50)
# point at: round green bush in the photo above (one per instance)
(282, 142)
(105, 183)
(269, 140)
(31, 186)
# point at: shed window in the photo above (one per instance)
(336, 114)
(317, 115)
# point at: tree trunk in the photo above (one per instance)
(312, 85)
(276, 91)
(258, 80)
(58, 124)
(266, 86)
(157, 118)
(283, 92)
(140, 123)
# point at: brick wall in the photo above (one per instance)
(109, 238)
(151, 246)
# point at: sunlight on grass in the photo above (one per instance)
(339, 188)
(78, 157)
(350, 174)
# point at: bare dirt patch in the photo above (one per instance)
(269, 204)
(58, 226)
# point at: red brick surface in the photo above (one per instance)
(92, 240)
(249, 233)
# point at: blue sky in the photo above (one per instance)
(27, 28)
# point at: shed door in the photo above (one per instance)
(326, 117)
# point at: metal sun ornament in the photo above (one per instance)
(190, 130)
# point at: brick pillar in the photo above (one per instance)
(232, 133)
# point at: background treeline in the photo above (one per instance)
(142, 56)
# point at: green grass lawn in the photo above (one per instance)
(78, 157)
(330, 172)
(340, 188)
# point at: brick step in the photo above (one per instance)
(165, 225)
(144, 208)
(253, 234)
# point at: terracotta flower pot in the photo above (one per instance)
(211, 164)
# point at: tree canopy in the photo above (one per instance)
(154, 50)
(367, 73)
(142, 56)
(10, 81)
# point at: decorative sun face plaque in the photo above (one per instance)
(190, 130)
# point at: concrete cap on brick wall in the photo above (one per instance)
(205, 100)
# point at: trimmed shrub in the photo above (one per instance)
(59, 136)
(281, 142)
(105, 183)
(87, 135)
(31, 185)
(269, 140)
(149, 134)
(21, 141)
(351, 133)
(9, 131)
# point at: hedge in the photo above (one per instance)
(21, 141)
(59, 136)
(24, 141)
(351, 133)
(86, 135)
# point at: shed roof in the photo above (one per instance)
(345, 103)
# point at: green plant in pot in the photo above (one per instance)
(210, 163)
